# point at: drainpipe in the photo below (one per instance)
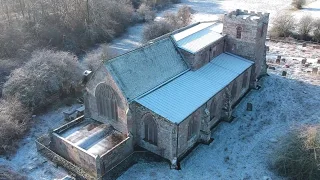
(177, 149)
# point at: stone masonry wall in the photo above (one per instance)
(91, 110)
(201, 58)
(74, 154)
(251, 45)
(167, 132)
(116, 155)
(203, 119)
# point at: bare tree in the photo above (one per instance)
(282, 25)
(169, 23)
(94, 59)
(305, 26)
(14, 118)
(47, 73)
(145, 13)
(316, 31)
(298, 3)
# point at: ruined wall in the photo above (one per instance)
(116, 155)
(91, 110)
(201, 58)
(74, 154)
(167, 132)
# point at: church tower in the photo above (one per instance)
(246, 36)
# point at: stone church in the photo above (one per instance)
(167, 95)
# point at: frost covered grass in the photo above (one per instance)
(27, 161)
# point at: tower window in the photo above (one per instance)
(239, 31)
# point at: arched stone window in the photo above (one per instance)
(245, 80)
(239, 31)
(213, 109)
(192, 128)
(150, 130)
(234, 90)
(106, 101)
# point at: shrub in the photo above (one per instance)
(14, 120)
(169, 23)
(298, 156)
(47, 73)
(298, 3)
(316, 31)
(305, 26)
(145, 13)
(93, 59)
(283, 25)
(156, 29)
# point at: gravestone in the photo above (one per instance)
(314, 70)
(304, 61)
(284, 73)
(304, 44)
(249, 107)
(278, 61)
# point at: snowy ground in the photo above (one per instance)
(27, 161)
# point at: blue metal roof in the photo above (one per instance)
(199, 36)
(181, 96)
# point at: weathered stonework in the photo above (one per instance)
(251, 45)
(244, 34)
(202, 57)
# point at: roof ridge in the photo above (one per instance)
(215, 22)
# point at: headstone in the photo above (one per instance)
(278, 57)
(267, 48)
(249, 106)
(283, 59)
(284, 73)
(318, 61)
(278, 61)
(304, 44)
(314, 70)
(304, 61)
(287, 66)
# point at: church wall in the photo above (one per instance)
(167, 132)
(91, 110)
(201, 58)
(203, 120)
